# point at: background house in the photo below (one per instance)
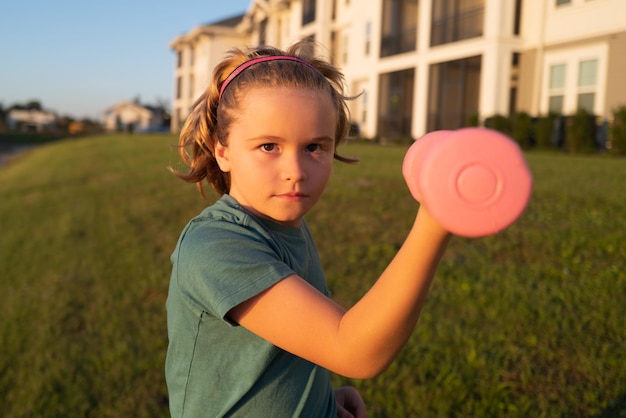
(31, 120)
(434, 64)
(130, 116)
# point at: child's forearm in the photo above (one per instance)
(362, 341)
(383, 320)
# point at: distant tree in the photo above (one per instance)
(3, 118)
(162, 104)
(63, 123)
(29, 105)
(33, 105)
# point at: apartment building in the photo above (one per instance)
(423, 65)
(197, 53)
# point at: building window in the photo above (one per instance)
(364, 107)
(308, 11)
(557, 77)
(179, 85)
(587, 73)
(586, 101)
(512, 100)
(587, 79)
(263, 32)
(334, 48)
(456, 20)
(517, 20)
(515, 59)
(179, 59)
(395, 104)
(368, 37)
(399, 27)
(454, 89)
(514, 83)
(561, 2)
(555, 104)
(556, 88)
(179, 118)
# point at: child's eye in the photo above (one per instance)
(314, 147)
(268, 147)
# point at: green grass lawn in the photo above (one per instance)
(528, 323)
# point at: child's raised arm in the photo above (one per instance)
(362, 341)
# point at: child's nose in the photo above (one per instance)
(293, 167)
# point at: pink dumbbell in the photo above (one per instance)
(474, 181)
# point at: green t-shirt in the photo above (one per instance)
(214, 368)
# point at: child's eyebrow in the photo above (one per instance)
(273, 138)
(323, 139)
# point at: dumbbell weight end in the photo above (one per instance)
(474, 181)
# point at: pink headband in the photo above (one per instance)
(250, 63)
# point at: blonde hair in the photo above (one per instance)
(212, 116)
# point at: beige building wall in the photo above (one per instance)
(568, 35)
(616, 73)
(549, 35)
(197, 53)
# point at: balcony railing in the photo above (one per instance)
(452, 28)
(398, 42)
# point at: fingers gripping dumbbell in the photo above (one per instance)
(474, 181)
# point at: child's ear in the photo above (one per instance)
(222, 156)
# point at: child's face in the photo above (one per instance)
(280, 151)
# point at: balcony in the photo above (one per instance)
(457, 26)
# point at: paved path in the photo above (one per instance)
(8, 152)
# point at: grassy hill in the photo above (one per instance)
(526, 323)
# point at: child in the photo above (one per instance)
(252, 331)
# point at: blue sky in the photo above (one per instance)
(79, 57)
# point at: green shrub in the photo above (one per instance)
(473, 120)
(618, 131)
(522, 129)
(544, 131)
(581, 132)
(499, 123)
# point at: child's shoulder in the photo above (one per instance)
(224, 217)
(223, 221)
(227, 219)
(225, 209)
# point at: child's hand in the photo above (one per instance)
(349, 403)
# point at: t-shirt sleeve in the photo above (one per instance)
(220, 265)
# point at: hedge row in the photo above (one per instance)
(582, 132)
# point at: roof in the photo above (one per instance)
(230, 22)
(128, 104)
(221, 27)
